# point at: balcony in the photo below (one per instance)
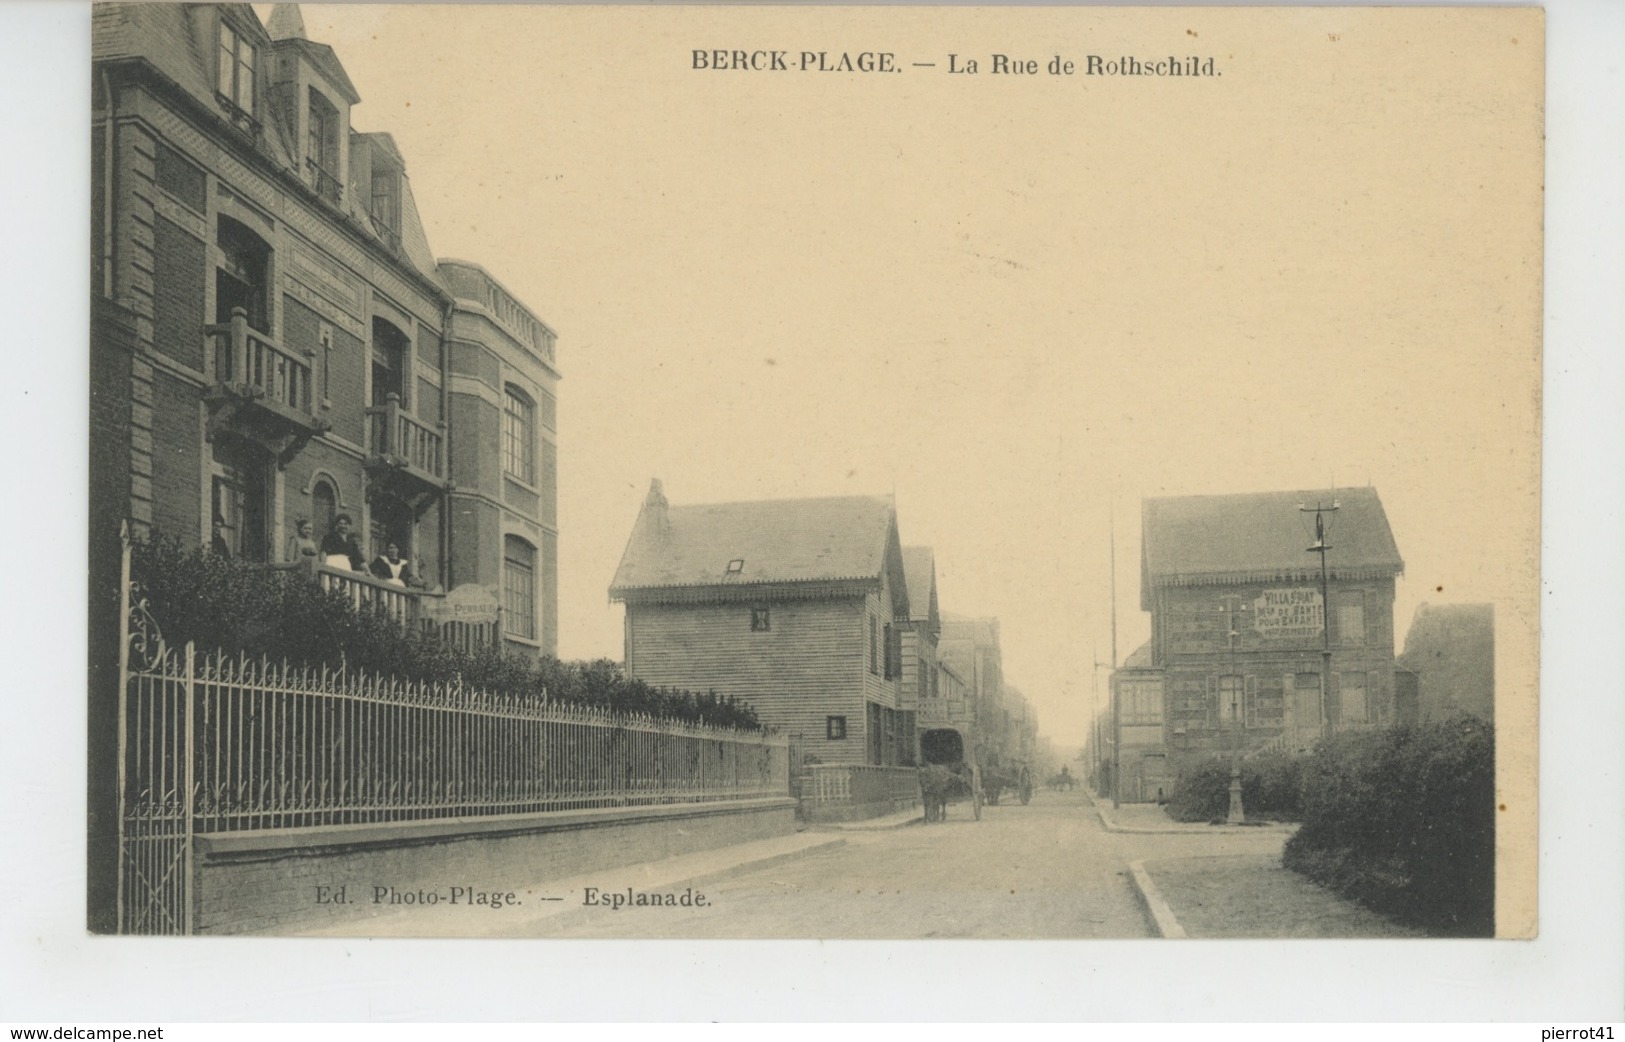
(262, 390)
(411, 609)
(405, 454)
(323, 182)
(386, 230)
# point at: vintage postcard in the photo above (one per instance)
(823, 473)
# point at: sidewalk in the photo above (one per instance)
(1235, 895)
(1249, 896)
(901, 819)
(1149, 819)
(544, 907)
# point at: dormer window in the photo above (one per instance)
(322, 147)
(235, 83)
(385, 205)
(736, 566)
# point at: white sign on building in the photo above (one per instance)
(1289, 614)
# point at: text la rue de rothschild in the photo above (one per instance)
(722, 59)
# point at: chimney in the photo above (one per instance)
(655, 512)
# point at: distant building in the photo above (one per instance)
(795, 606)
(273, 338)
(1448, 665)
(970, 647)
(1238, 628)
(920, 682)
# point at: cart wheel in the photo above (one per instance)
(976, 804)
(1026, 791)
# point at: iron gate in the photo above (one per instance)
(155, 790)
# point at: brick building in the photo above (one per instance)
(273, 338)
(1239, 635)
(1448, 665)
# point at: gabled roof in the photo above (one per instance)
(1259, 536)
(920, 570)
(323, 58)
(845, 539)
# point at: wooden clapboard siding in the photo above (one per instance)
(811, 663)
(919, 663)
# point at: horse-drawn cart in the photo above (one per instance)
(949, 774)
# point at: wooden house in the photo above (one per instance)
(795, 606)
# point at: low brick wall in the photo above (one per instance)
(270, 882)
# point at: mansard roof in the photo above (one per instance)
(178, 42)
(1191, 540)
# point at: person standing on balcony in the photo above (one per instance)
(391, 567)
(340, 548)
(303, 550)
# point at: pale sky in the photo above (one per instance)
(1018, 304)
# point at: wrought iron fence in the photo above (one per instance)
(265, 746)
(215, 743)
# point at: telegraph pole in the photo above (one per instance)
(1117, 710)
(1320, 547)
(1238, 814)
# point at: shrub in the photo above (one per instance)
(1404, 821)
(1269, 789)
(281, 615)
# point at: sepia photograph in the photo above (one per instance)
(814, 474)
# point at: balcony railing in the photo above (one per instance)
(324, 181)
(366, 593)
(409, 608)
(247, 357)
(394, 432)
(386, 231)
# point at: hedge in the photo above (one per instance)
(1403, 821)
(216, 603)
(1269, 789)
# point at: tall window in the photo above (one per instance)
(242, 281)
(1142, 701)
(390, 351)
(874, 666)
(1306, 701)
(239, 498)
(1231, 692)
(384, 203)
(1351, 616)
(236, 71)
(322, 147)
(324, 506)
(519, 587)
(1353, 707)
(519, 437)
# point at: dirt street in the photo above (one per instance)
(1047, 870)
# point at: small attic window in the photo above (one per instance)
(736, 566)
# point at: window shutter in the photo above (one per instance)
(1214, 714)
(1249, 701)
(1289, 701)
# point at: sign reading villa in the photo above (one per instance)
(469, 602)
(1288, 614)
